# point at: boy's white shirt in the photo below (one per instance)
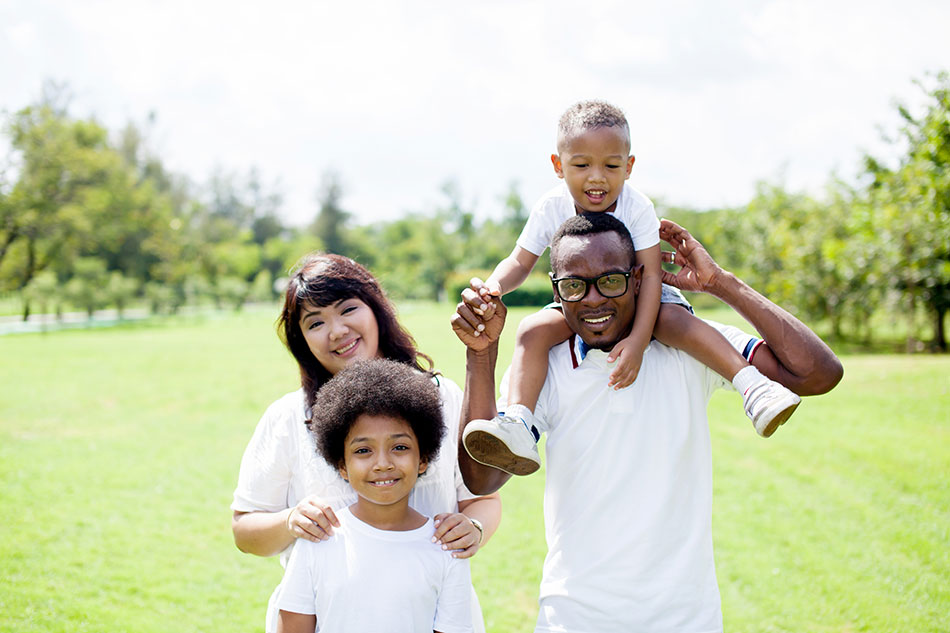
(366, 579)
(633, 208)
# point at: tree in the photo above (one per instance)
(86, 289)
(331, 218)
(913, 199)
(49, 214)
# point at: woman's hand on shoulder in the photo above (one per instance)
(312, 519)
(455, 531)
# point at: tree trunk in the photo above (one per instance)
(940, 339)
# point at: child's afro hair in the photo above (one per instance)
(377, 387)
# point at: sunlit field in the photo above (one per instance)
(119, 451)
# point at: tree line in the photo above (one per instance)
(92, 219)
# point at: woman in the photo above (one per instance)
(335, 312)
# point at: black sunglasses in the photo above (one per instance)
(609, 285)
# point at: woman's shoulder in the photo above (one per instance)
(287, 412)
(289, 405)
(446, 385)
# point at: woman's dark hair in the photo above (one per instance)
(377, 388)
(322, 279)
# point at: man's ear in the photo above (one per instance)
(630, 162)
(558, 168)
(636, 275)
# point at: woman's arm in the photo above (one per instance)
(269, 533)
(290, 622)
(456, 532)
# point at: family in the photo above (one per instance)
(379, 477)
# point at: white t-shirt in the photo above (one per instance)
(281, 466)
(364, 579)
(628, 494)
(633, 208)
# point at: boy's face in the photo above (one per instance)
(595, 164)
(381, 459)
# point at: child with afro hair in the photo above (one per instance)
(379, 422)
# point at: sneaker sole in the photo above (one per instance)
(779, 420)
(487, 449)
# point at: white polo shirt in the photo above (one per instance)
(628, 495)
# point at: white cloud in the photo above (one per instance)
(400, 97)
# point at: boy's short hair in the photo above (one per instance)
(377, 387)
(589, 115)
(590, 224)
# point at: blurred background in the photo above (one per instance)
(161, 155)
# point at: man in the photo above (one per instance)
(628, 494)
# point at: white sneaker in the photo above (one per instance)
(504, 443)
(768, 404)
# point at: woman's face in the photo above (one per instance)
(340, 333)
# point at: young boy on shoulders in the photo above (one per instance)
(380, 423)
(594, 160)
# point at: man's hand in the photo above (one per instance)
(698, 270)
(478, 332)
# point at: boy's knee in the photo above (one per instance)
(672, 315)
(545, 327)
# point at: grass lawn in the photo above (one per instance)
(119, 451)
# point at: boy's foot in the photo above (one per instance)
(504, 443)
(768, 404)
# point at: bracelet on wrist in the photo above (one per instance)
(478, 526)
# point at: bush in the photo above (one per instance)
(536, 291)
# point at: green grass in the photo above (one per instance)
(119, 451)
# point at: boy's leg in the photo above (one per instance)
(767, 403)
(509, 441)
(537, 334)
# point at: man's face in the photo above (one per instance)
(599, 321)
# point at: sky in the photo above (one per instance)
(398, 98)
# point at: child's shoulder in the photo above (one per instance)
(555, 195)
(634, 196)
(556, 201)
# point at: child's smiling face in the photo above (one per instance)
(594, 165)
(381, 459)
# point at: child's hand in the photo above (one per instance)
(491, 288)
(482, 301)
(477, 331)
(628, 364)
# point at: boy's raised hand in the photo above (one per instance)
(482, 301)
(477, 322)
(628, 364)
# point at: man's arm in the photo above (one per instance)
(792, 354)
(478, 402)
